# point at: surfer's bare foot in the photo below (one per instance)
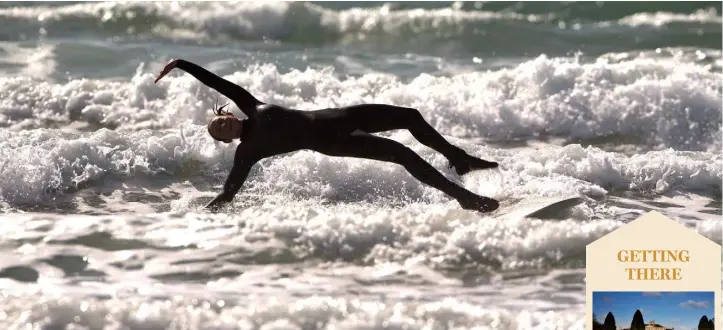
(480, 204)
(470, 163)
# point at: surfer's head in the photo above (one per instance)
(224, 126)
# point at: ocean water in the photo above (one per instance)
(103, 174)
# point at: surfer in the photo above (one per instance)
(271, 130)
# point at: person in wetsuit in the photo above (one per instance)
(271, 130)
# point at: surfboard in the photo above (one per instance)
(538, 207)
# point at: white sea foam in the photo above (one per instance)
(261, 19)
(39, 163)
(658, 103)
(320, 312)
(664, 18)
(314, 242)
(667, 104)
(439, 239)
(281, 19)
(131, 265)
(37, 62)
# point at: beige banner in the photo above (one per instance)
(653, 253)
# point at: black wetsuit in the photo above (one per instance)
(272, 130)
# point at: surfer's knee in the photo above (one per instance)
(411, 114)
(400, 114)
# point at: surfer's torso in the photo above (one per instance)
(281, 130)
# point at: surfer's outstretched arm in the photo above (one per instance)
(243, 161)
(243, 99)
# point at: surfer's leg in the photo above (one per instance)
(378, 148)
(373, 118)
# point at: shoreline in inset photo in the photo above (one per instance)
(647, 310)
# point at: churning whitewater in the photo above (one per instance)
(104, 174)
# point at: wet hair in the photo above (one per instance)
(219, 112)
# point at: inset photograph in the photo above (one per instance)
(643, 310)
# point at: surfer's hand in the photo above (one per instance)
(172, 64)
